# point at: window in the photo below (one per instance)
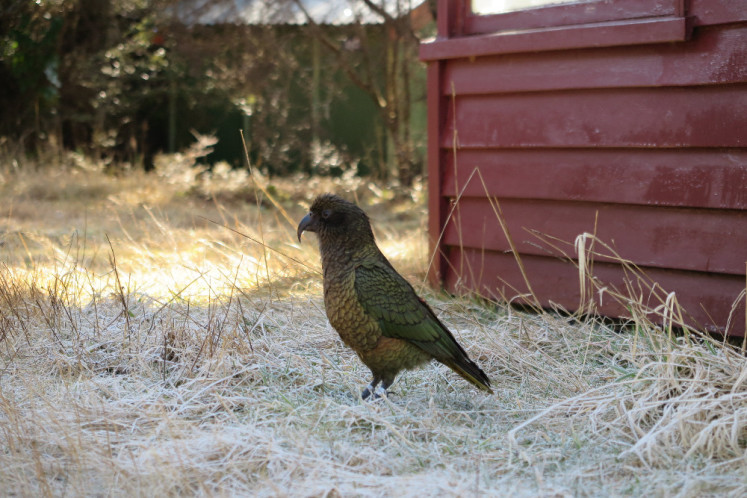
(491, 16)
(502, 6)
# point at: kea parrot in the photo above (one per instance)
(374, 309)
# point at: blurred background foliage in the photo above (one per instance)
(122, 81)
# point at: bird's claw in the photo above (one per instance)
(373, 392)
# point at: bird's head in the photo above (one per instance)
(336, 220)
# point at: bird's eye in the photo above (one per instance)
(326, 213)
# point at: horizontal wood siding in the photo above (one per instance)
(683, 239)
(715, 56)
(606, 34)
(638, 117)
(707, 298)
(644, 145)
(701, 178)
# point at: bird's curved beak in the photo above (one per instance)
(308, 224)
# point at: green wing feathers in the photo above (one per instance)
(390, 299)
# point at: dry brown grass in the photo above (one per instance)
(146, 351)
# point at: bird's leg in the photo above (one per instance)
(371, 389)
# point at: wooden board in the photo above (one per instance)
(555, 282)
(639, 117)
(703, 178)
(606, 34)
(687, 239)
(713, 56)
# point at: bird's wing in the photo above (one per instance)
(390, 299)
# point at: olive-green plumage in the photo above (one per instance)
(376, 311)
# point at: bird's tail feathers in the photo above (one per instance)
(470, 372)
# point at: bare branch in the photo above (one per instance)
(366, 86)
(380, 11)
(401, 23)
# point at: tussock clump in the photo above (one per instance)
(690, 401)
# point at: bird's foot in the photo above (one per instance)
(373, 392)
(370, 389)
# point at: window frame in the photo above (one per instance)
(588, 24)
(582, 12)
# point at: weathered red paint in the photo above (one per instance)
(684, 239)
(707, 298)
(623, 119)
(608, 34)
(678, 177)
(716, 55)
(632, 117)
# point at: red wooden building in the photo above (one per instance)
(626, 119)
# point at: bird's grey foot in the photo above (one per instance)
(371, 391)
(375, 391)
